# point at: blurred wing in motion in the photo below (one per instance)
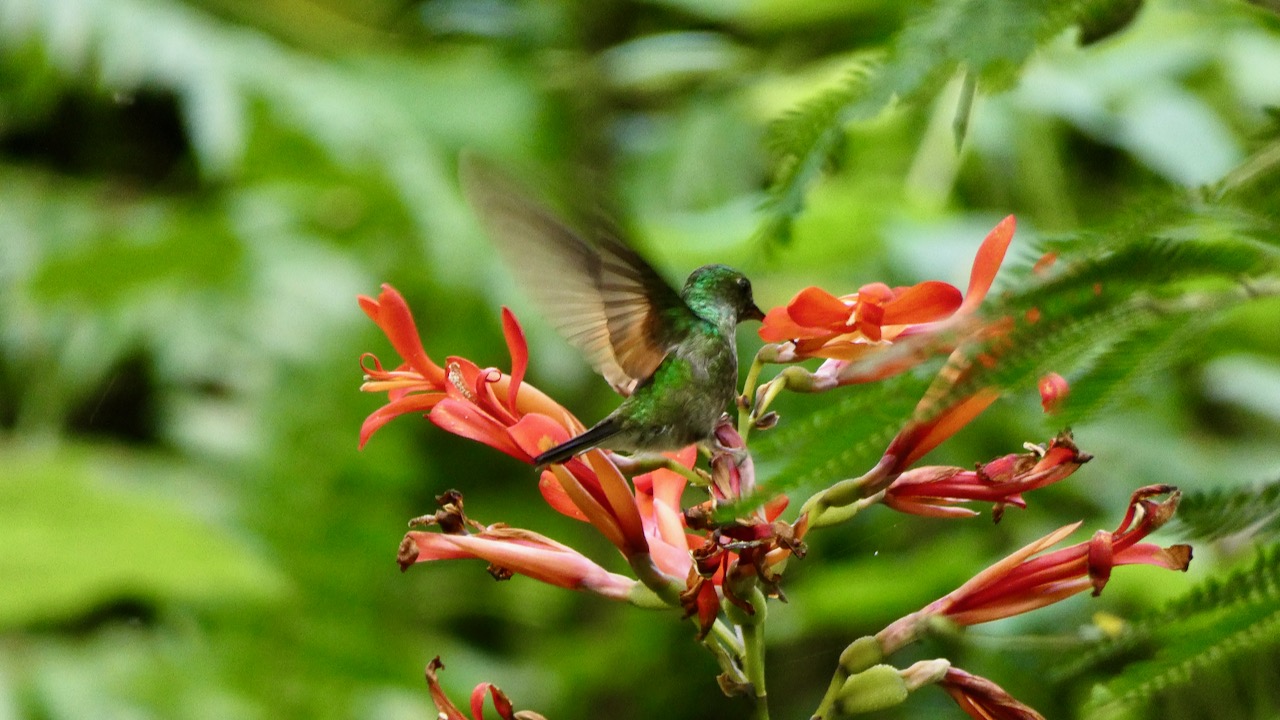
(602, 297)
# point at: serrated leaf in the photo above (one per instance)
(1253, 512)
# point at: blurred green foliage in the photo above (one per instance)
(193, 193)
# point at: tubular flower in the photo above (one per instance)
(943, 411)
(850, 329)
(480, 404)
(983, 699)
(448, 711)
(501, 411)
(658, 498)
(1020, 583)
(935, 491)
(508, 551)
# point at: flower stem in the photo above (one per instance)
(858, 656)
(663, 585)
(846, 498)
(746, 410)
(753, 646)
(726, 646)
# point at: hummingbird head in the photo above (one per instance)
(715, 289)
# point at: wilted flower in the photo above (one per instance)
(983, 699)
(448, 711)
(937, 491)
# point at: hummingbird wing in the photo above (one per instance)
(602, 297)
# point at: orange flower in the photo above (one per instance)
(448, 711)
(501, 411)
(936, 491)
(483, 405)
(851, 328)
(1020, 583)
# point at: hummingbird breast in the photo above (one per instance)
(683, 400)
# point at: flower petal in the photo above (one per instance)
(464, 419)
(1174, 557)
(779, 326)
(519, 349)
(816, 308)
(924, 302)
(621, 502)
(419, 403)
(559, 500)
(391, 313)
(987, 263)
(595, 512)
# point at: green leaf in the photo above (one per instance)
(82, 530)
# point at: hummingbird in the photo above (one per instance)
(671, 355)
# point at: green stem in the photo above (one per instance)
(663, 585)
(753, 645)
(746, 409)
(858, 656)
(727, 648)
(753, 639)
(727, 638)
(637, 465)
(846, 498)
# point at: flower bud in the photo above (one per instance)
(876, 688)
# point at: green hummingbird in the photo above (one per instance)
(672, 355)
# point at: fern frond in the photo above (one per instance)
(1124, 369)
(991, 39)
(801, 142)
(845, 437)
(1211, 515)
(1226, 625)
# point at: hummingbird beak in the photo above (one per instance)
(752, 313)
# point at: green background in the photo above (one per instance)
(193, 193)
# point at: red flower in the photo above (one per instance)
(658, 499)
(501, 411)
(1020, 583)
(936, 491)
(512, 550)
(448, 711)
(484, 405)
(508, 551)
(1053, 391)
(851, 327)
(983, 699)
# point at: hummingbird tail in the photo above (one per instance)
(597, 434)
